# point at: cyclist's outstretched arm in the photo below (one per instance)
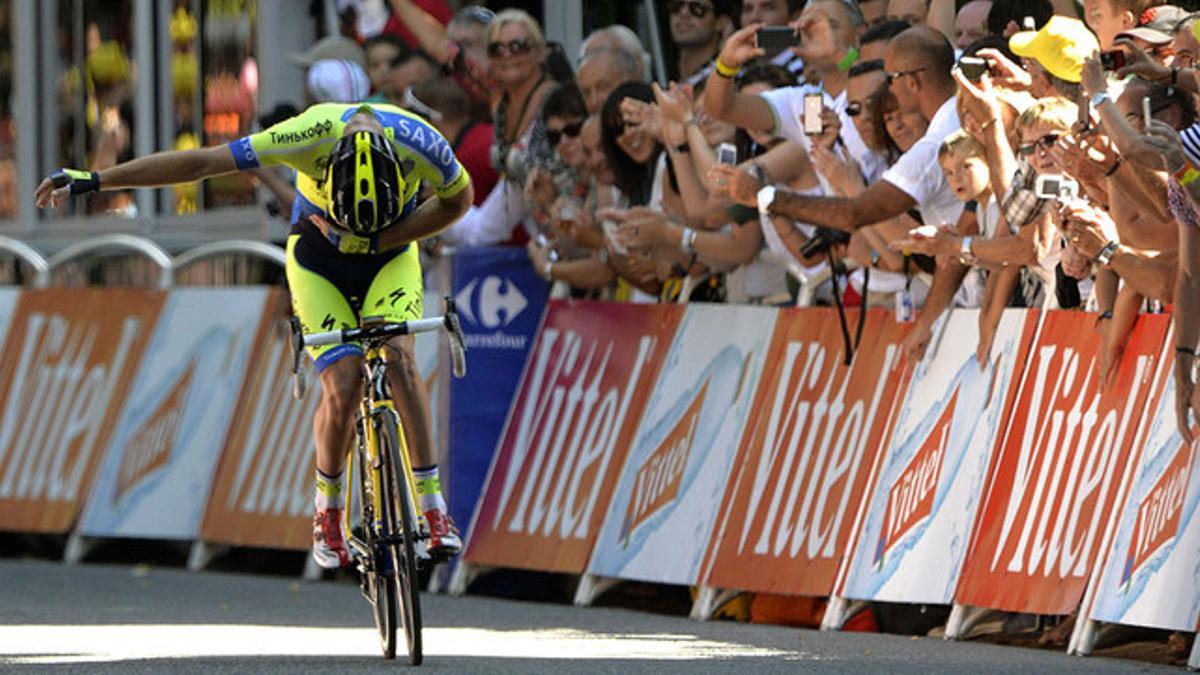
(433, 216)
(161, 168)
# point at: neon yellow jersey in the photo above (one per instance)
(305, 141)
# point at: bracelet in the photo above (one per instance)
(1186, 174)
(1180, 349)
(687, 240)
(1113, 169)
(1105, 315)
(1104, 257)
(682, 147)
(724, 70)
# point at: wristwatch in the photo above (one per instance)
(1098, 98)
(1104, 257)
(964, 252)
(766, 197)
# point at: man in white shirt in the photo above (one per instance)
(918, 64)
(828, 30)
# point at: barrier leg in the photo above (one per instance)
(963, 619)
(462, 577)
(202, 554)
(312, 571)
(590, 587)
(1083, 638)
(77, 547)
(835, 613)
(709, 600)
(1194, 659)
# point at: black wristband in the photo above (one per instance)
(683, 147)
(1180, 349)
(81, 182)
(1113, 169)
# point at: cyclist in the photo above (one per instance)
(358, 171)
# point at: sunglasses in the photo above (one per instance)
(556, 135)
(854, 108)
(891, 77)
(513, 47)
(697, 9)
(1045, 142)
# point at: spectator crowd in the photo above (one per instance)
(915, 154)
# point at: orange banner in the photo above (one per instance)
(808, 457)
(580, 402)
(262, 493)
(1054, 484)
(68, 362)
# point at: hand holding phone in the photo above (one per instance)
(973, 67)
(727, 154)
(1112, 60)
(775, 39)
(813, 105)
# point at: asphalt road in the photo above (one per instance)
(135, 619)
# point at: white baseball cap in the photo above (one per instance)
(337, 81)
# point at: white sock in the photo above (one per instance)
(429, 488)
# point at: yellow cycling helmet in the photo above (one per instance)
(365, 183)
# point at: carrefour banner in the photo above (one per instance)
(924, 506)
(1152, 577)
(500, 300)
(665, 504)
(155, 477)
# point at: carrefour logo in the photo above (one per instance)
(491, 303)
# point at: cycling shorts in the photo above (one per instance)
(331, 290)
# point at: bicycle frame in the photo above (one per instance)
(378, 402)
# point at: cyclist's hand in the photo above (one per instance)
(345, 240)
(54, 189)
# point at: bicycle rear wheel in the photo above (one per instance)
(402, 521)
(379, 583)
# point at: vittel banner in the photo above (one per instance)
(933, 474)
(68, 362)
(665, 504)
(808, 457)
(158, 470)
(262, 493)
(1061, 469)
(575, 416)
(1152, 574)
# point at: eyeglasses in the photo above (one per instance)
(697, 9)
(901, 73)
(556, 135)
(513, 47)
(1045, 143)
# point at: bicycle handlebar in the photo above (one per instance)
(449, 321)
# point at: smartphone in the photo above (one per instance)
(1112, 60)
(774, 39)
(973, 67)
(1146, 114)
(727, 154)
(1054, 186)
(1085, 112)
(813, 105)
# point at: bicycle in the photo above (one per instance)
(386, 548)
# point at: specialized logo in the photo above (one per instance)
(491, 302)
(910, 498)
(149, 448)
(315, 131)
(1158, 514)
(657, 481)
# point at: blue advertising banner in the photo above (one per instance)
(501, 301)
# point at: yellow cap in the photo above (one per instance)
(1061, 46)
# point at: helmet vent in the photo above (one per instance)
(364, 186)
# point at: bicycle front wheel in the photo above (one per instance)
(378, 582)
(402, 521)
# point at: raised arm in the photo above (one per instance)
(159, 169)
(429, 31)
(720, 99)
